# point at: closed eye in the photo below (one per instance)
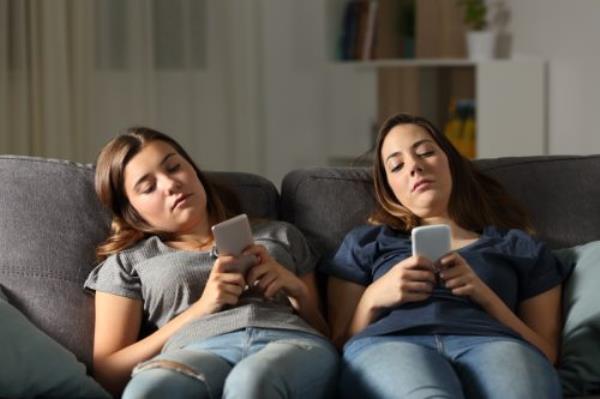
(148, 189)
(426, 154)
(173, 168)
(396, 167)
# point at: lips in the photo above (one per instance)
(420, 183)
(179, 200)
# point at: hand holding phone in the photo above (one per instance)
(431, 242)
(231, 237)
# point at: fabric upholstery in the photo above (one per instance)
(561, 193)
(36, 365)
(579, 366)
(50, 223)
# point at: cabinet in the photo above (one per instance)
(509, 94)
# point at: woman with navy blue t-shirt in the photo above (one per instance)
(482, 322)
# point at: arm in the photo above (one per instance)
(538, 319)
(342, 300)
(271, 277)
(353, 307)
(118, 321)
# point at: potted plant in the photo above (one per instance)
(480, 40)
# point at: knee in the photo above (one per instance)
(163, 382)
(520, 369)
(258, 381)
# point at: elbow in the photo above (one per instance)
(107, 379)
(552, 355)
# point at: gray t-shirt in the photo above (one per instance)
(168, 281)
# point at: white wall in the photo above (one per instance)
(313, 110)
(567, 34)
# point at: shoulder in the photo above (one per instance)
(142, 250)
(286, 244)
(371, 234)
(514, 241)
(282, 232)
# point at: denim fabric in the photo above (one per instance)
(248, 363)
(446, 366)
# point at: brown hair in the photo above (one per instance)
(476, 200)
(128, 226)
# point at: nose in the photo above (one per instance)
(170, 185)
(415, 166)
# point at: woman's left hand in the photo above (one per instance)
(270, 277)
(461, 280)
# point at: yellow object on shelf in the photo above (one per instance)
(454, 127)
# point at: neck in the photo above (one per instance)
(457, 232)
(197, 238)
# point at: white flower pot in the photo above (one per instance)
(481, 45)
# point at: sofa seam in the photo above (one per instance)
(38, 275)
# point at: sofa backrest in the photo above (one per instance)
(50, 223)
(561, 193)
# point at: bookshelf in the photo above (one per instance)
(509, 95)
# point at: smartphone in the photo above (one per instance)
(431, 242)
(231, 237)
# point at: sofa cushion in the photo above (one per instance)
(51, 222)
(580, 351)
(36, 365)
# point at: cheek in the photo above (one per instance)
(147, 206)
(399, 186)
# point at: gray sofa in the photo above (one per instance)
(50, 221)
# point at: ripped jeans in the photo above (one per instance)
(248, 363)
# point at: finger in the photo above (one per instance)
(464, 290)
(232, 278)
(272, 289)
(448, 261)
(455, 283)
(231, 289)
(257, 250)
(416, 296)
(222, 263)
(420, 275)
(266, 280)
(229, 299)
(257, 272)
(417, 261)
(452, 272)
(418, 287)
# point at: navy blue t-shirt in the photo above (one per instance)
(510, 262)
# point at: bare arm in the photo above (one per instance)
(271, 277)
(307, 305)
(538, 320)
(342, 299)
(352, 307)
(118, 322)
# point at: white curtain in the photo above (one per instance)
(74, 73)
(44, 64)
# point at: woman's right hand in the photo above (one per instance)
(222, 288)
(410, 280)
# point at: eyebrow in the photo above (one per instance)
(146, 176)
(418, 143)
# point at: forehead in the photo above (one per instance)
(150, 156)
(401, 138)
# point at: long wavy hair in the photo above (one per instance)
(476, 200)
(128, 226)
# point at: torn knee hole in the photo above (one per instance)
(169, 365)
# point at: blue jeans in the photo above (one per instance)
(446, 366)
(248, 363)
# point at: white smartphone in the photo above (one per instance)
(232, 236)
(431, 242)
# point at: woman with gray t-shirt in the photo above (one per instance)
(215, 332)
